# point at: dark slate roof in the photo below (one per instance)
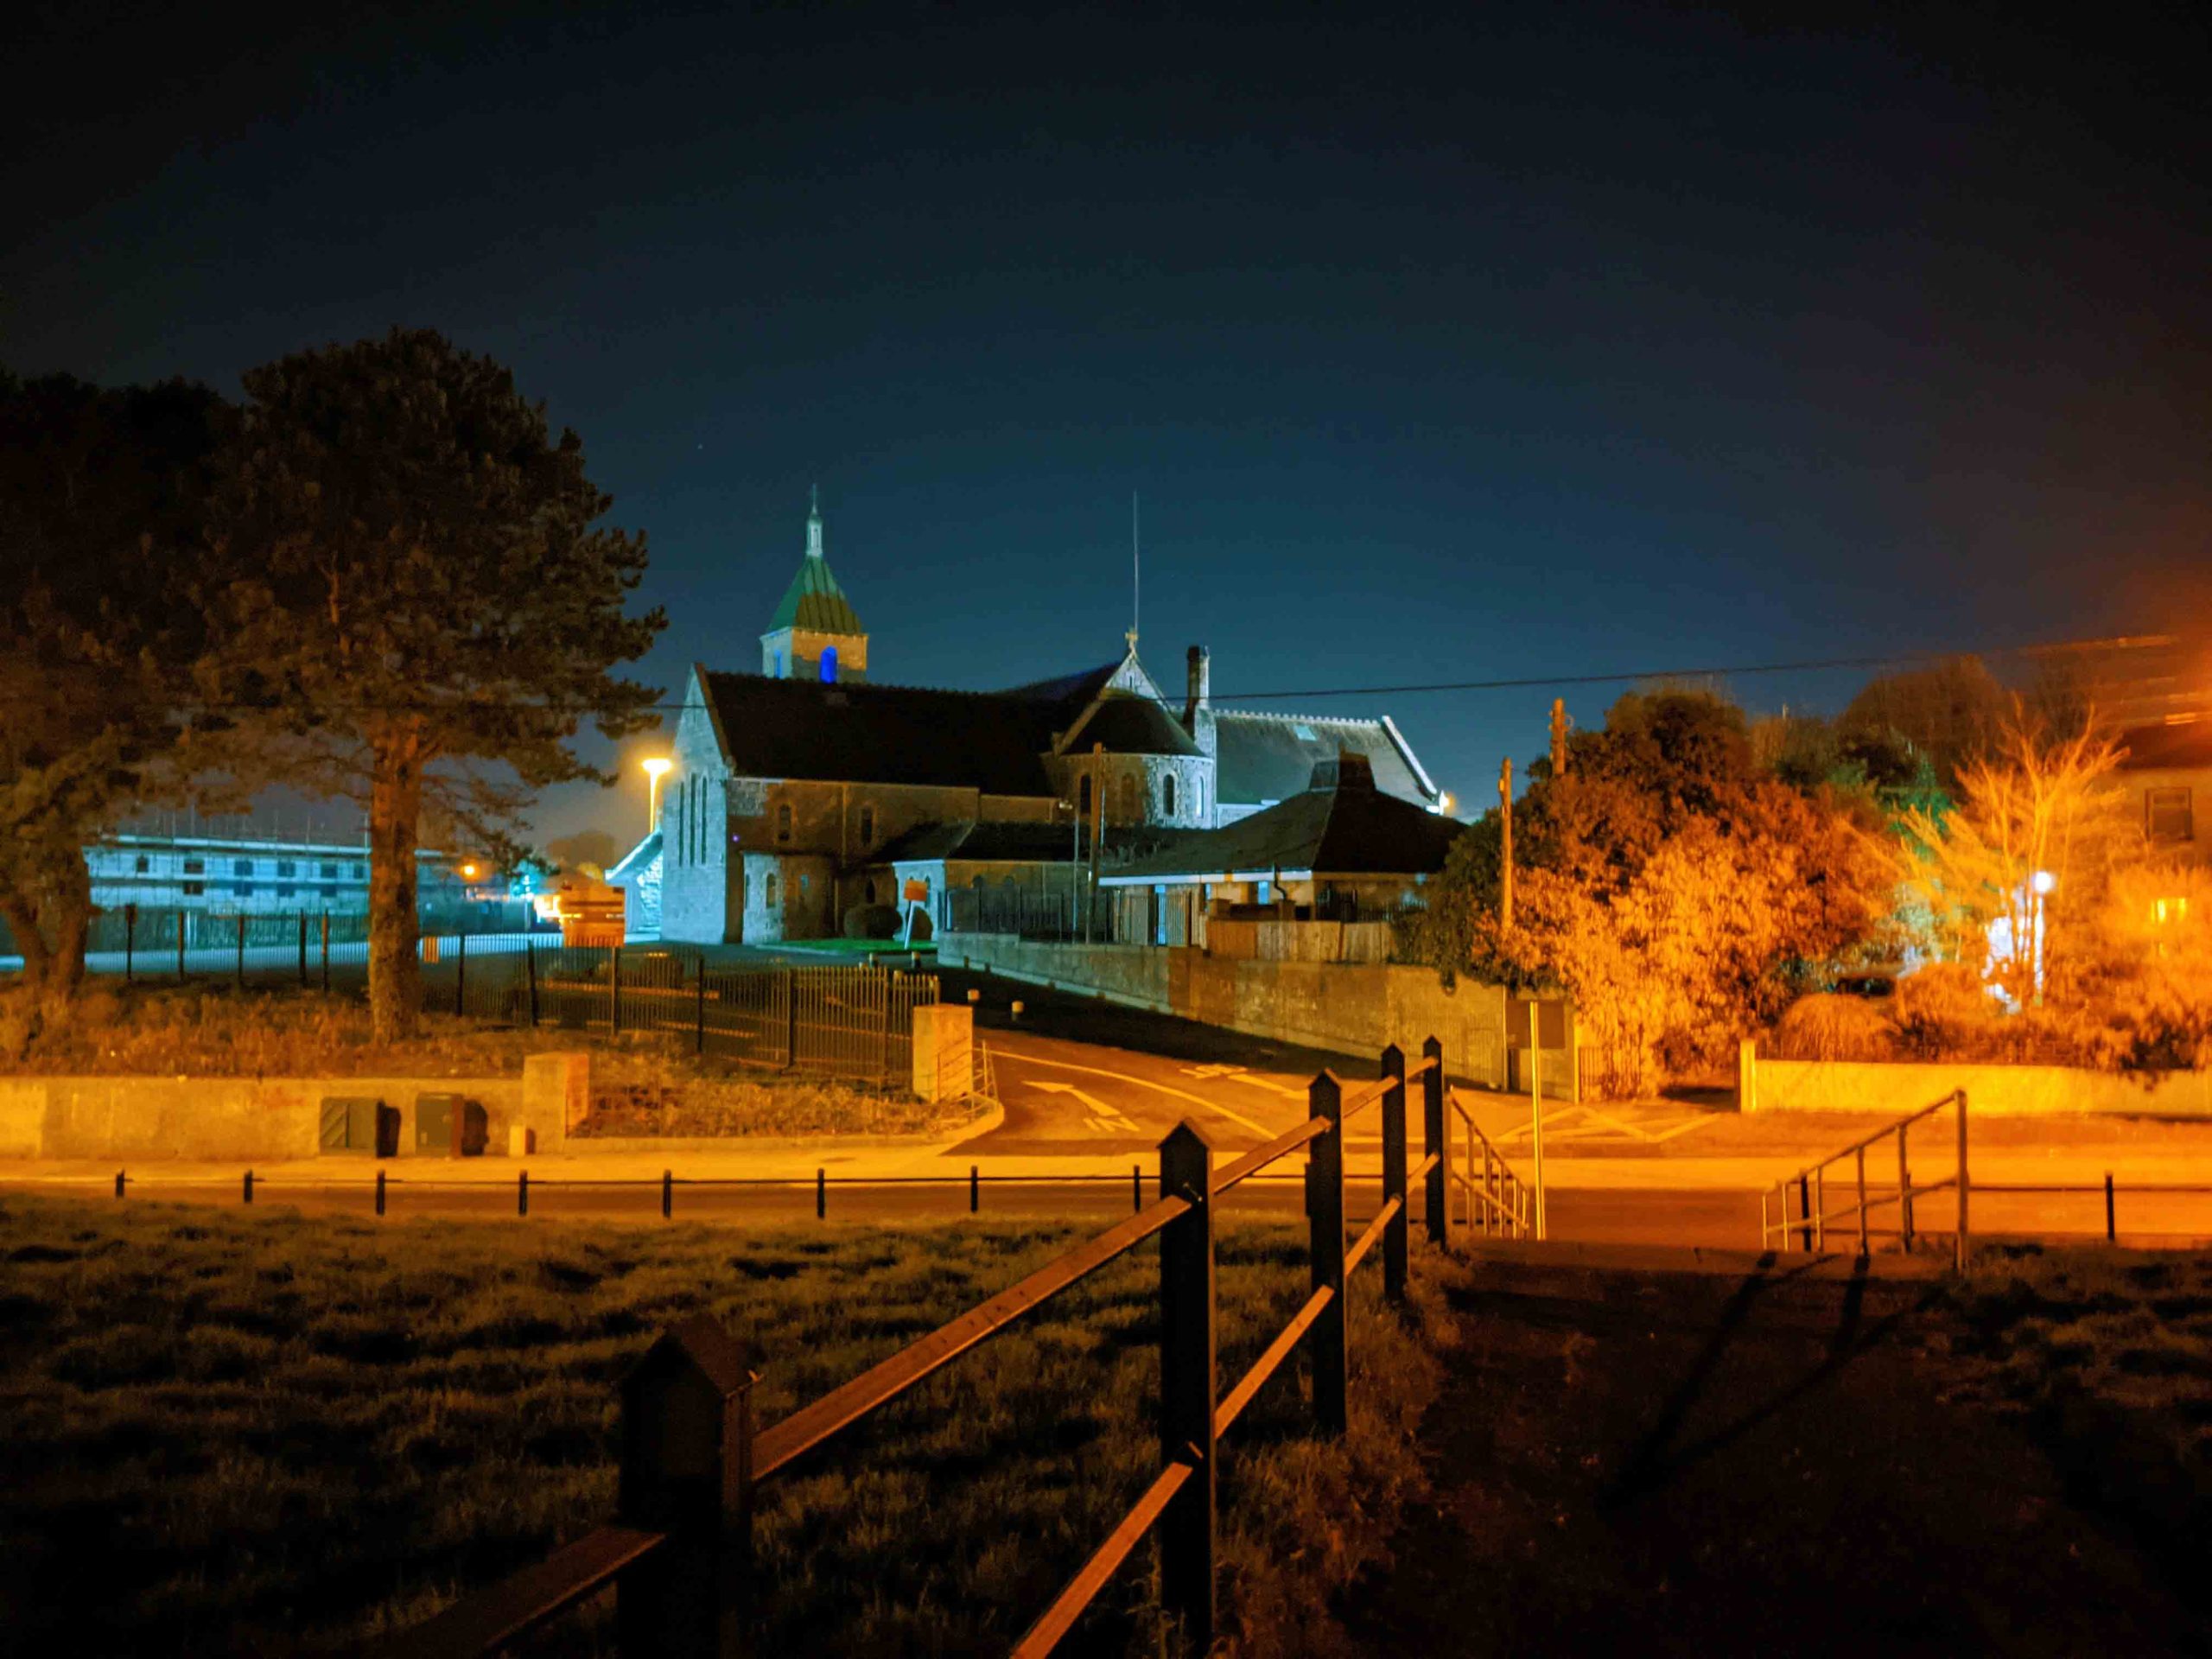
(1029, 843)
(2182, 743)
(814, 601)
(876, 734)
(1342, 827)
(1074, 691)
(1132, 726)
(1268, 757)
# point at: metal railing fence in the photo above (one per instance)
(1810, 1223)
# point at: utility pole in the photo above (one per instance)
(1559, 737)
(1505, 846)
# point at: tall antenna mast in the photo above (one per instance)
(1136, 573)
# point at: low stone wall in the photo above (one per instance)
(1347, 1007)
(1894, 1089)
(265, 1118)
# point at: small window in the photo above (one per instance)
(829, 665)
(1307, 732)
(2168, 814)
(2169, 910)
(196, 867)
(243, 866)
(194, 889)
(1167, 796)
(361, 871)
(286, 867)
(330, 872)
(142, 864)
(784, 821)
(867, 829)
(243, 889)
(805, 887)
(772, 892)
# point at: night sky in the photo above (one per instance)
(1536, 341)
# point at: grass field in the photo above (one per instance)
(268, 1434)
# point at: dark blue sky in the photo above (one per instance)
(1532, 342)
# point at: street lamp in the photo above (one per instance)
(656, 767)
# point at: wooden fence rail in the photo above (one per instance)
(677, 1551)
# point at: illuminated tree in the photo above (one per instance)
(1951, 712)
(1679, 895)
(416, 603)
(100, 494)
(2025, 859)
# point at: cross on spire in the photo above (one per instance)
(814, 523)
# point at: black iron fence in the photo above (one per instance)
(1034, 914)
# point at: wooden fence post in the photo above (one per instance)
(820, 1194)
(1432, 1143)
(974, 1189)
(522, 1192)
(379, 1191)
(667, 1193)
(1325, 1234)
(1394, 1172)
(2112, 1227)
(1186, 1382)
(687, 1472)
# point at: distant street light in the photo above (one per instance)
(655, 768)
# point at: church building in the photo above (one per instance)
(809, 788)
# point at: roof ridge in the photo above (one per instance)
(1326, 720)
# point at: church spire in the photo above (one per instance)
(814, 525)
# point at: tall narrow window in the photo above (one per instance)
(867, 826)
(829, 665)
(784, 821)
(772, 891)
(1167, 796)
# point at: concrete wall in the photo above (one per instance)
(1349, 1008)
(262, 1117)
(1767, 1085)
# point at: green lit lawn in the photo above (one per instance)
(275, 1433)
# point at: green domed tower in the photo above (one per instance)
(815, 634)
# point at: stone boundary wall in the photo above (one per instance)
(1893, 1089)
(266, 1117)
(1345, 1007)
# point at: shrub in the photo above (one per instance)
(1826, 1027)
(871, 922)
(1944, 1011)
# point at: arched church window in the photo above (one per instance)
(1167, 796)
(829, 665)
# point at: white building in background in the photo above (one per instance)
(243, 876)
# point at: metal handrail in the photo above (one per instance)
(1811, 1182)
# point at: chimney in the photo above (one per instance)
(1201, 682)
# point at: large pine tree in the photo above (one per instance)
(416, 604)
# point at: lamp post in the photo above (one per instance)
(655, 768)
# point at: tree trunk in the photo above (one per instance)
(50, 911)
(395, 811)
